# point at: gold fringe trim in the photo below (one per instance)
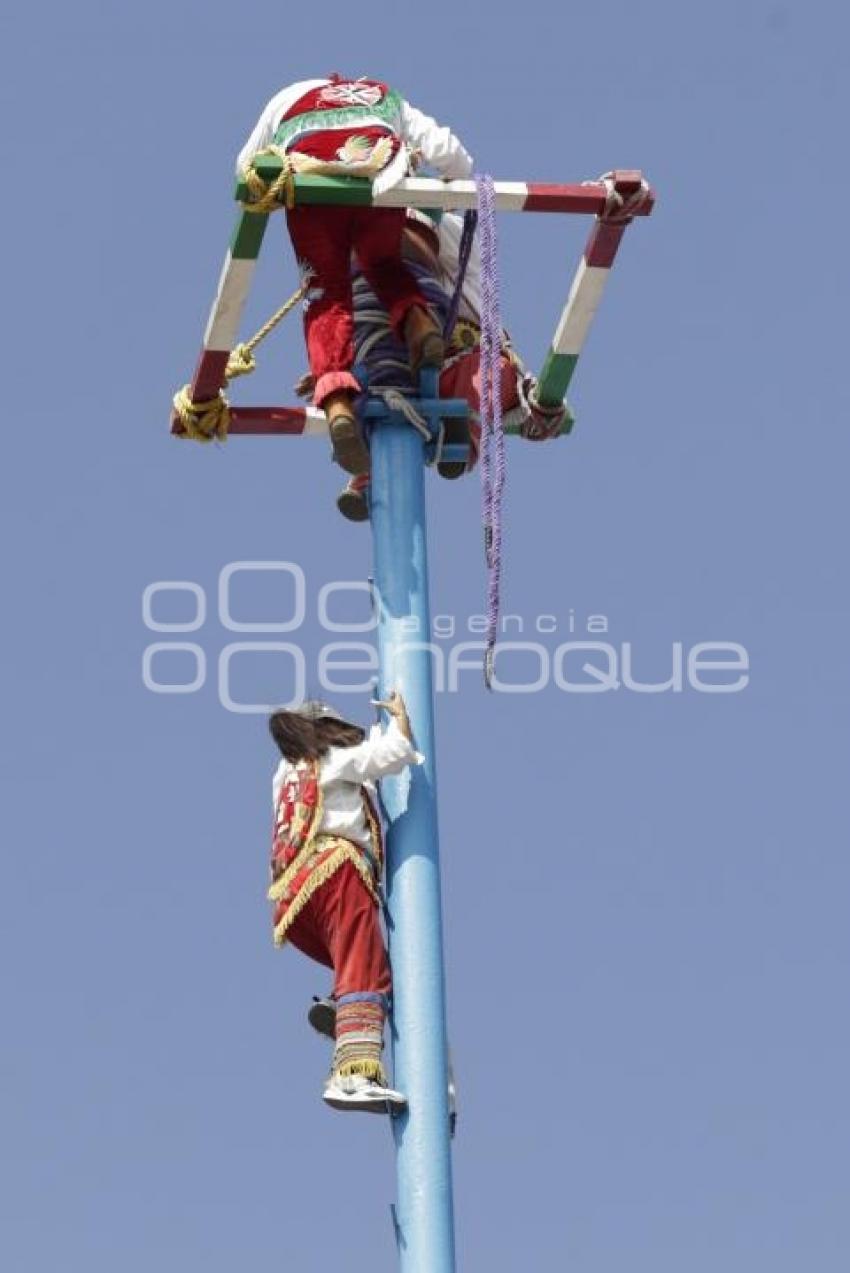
(269, 196)
(279, 886)
(352, 165)
(346, 852)
(368, 1068)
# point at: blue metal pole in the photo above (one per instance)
(424, 1212)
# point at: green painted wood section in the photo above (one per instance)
(555, 378)
(349, 191)
(248, 235)
(355, 192)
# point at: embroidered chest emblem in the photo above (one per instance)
(351, 94)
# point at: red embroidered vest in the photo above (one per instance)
(302, 858)
(339, 95)
(343, 123)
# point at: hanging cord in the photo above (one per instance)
(467, 238)
(492, 431)
(395, 400)
(242, 362)
(209, 421)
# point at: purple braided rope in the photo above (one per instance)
(467, 238)
(492, 432)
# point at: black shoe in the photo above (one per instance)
(353, 504)
(454, 430)
(322, 1016)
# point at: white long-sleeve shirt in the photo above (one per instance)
(267, 125)
(418, 132)
(344, 770)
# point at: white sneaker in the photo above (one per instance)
(355, 1091)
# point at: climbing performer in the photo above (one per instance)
(356, 128)
(326, 864)
(431, 249)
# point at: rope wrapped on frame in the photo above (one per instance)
(268, 196)
(619, 208)
(280, 193)
(209, 421)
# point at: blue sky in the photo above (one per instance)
(645, 894)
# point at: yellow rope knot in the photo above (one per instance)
(202, 421)
(209, 421)
(240, 363)
(268, 196)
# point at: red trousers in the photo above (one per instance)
(339, 927)
(324, 239)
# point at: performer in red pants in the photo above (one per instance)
(431, 249)
(327, 858)
(356, 128)
(323, 240)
